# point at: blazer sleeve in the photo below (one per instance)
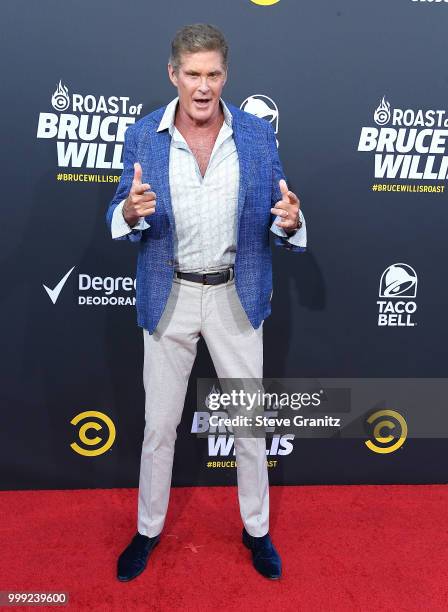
(296, 242)
(124, 187)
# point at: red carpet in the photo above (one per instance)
(343, 548)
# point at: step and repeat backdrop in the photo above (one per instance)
(357, 94)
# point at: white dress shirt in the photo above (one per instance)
(204, 208)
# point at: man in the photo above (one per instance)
(201, 185)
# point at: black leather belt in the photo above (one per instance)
(210, 278)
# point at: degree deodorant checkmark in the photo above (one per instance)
(54, 293)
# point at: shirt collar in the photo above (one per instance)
(167, 121)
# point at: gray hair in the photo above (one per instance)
(197, 37)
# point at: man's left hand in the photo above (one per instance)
(287, 208)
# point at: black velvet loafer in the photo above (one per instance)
(134, 558)
(265, 558)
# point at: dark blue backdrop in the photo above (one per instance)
(326, 67)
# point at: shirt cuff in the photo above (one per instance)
(120, 227)
(296, 239)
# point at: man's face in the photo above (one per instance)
(199, 81)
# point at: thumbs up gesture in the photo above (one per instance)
(140, 202)
(287, 208)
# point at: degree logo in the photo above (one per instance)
(53, 294)
(265, 2)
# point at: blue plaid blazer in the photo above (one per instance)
(260, 172)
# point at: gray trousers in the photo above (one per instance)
(236, 348)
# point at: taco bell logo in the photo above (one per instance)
(264, 107)
(398, 287)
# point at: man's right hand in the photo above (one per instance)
(140, 202)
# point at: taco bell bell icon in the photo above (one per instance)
(398, 287)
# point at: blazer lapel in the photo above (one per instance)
(154, 150)
(241, 135)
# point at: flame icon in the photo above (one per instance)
(60, 99)
(381, 115)
(214, 391)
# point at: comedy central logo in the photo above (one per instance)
(388, 429)
(103, 424)
(89, 128)
(398, 287)
(264, 107)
